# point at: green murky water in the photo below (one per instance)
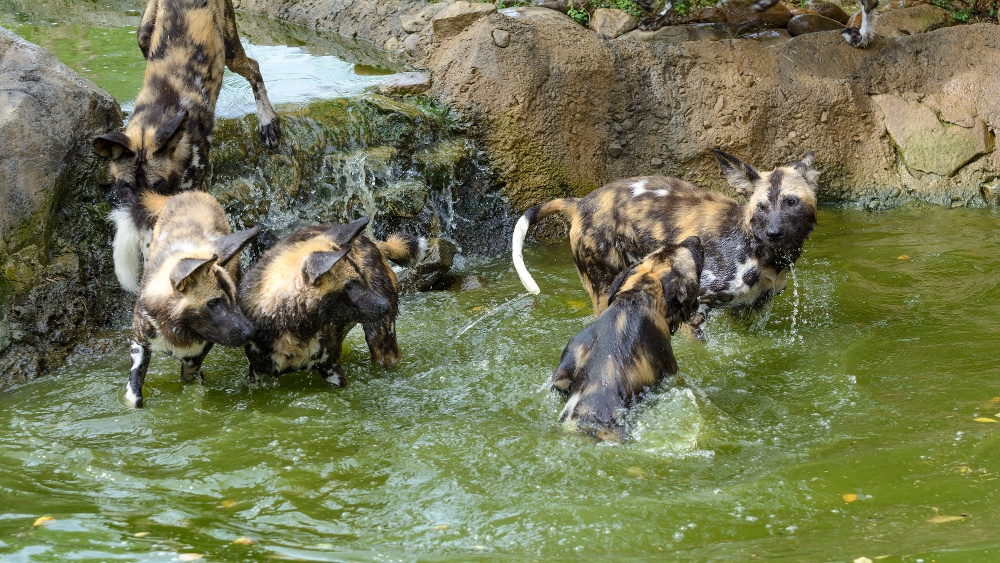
(866, 378)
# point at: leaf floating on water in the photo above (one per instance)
(576, 304)
(850, 497)
(43, 521)
(140, 534)
(441, 527)
(636, 472)
(228, 503)
(994, 400)
(903, 257)
(985, 419)
(939, 519)
(478, 308)
(862, 560)
(244, 541)
(190, 556)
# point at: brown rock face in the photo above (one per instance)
(912, 20)
(612, 23)
(457, 16)
(828, 10)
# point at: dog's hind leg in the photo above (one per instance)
(137, 373)
(652, 23)
(861, 38)
(238, 62)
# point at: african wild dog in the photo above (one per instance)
(164, 147)
(310, 289)
(187, 299)
(605, 369)
(859, 38)
(749, 247)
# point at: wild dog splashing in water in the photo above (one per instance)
(749, 247)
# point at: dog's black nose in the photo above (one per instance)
(774, 234)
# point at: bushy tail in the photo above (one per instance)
(530, 217)
(127, 249)
(404, 250)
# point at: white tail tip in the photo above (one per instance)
(520, 230)
(127, 250)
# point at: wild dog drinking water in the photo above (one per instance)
(749, 247)
(312, 287)
(606, 368)
(164, 147)
(187, 300)
(855, 37)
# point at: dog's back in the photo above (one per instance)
(605, 369)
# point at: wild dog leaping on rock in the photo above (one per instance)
(749, 247)
(605, 369)
(187, 300)
(164, 147)
(859, 38)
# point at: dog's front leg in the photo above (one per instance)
(137, 373)
(191, 366)
(333, 345)
(381, 339)
(238, 62)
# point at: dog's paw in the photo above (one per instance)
(853, 37)
(270, 134)
(652, 23)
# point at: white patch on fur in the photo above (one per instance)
(160, 344)
(195, 155)
(334, 379)
(520, 231)
(639, 188)
(263, 117)
(127, 249)
(131, 396)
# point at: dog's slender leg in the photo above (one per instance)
(333, 344)
(653, 23)
(191, 367)
(145, 32)
(861, 38)
(381, 339)
(137, 373)
(238, 62)
(697, 322)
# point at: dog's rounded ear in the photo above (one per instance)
(231, 244)
(318, 263)
(183, 275)
(740, 175)
(805, 168)
(114, 144)
(169, 134)
(342, 235)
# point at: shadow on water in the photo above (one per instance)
(842, 436)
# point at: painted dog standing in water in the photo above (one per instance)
(187, 298)
(164, 147)
(605, 369)
(749, 247)
(312, 287)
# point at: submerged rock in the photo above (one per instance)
(433, 268)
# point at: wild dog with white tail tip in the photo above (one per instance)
(187, 301)
(164, 147)
(312, 287)
(606, 368)
(749, 247)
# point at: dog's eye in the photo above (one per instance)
(762, 206)
(217, 302)
(791, 201)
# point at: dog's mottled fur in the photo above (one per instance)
(164, 147)
(749, 247)
(858, 38)
(605, 369)
(187, 300)
(309, 290)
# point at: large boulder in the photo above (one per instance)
(54, 239)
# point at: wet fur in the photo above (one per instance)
(858, 38)
(187, 300)
(749, 247)
(165, 145)
(607, 367)
(310, 289)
